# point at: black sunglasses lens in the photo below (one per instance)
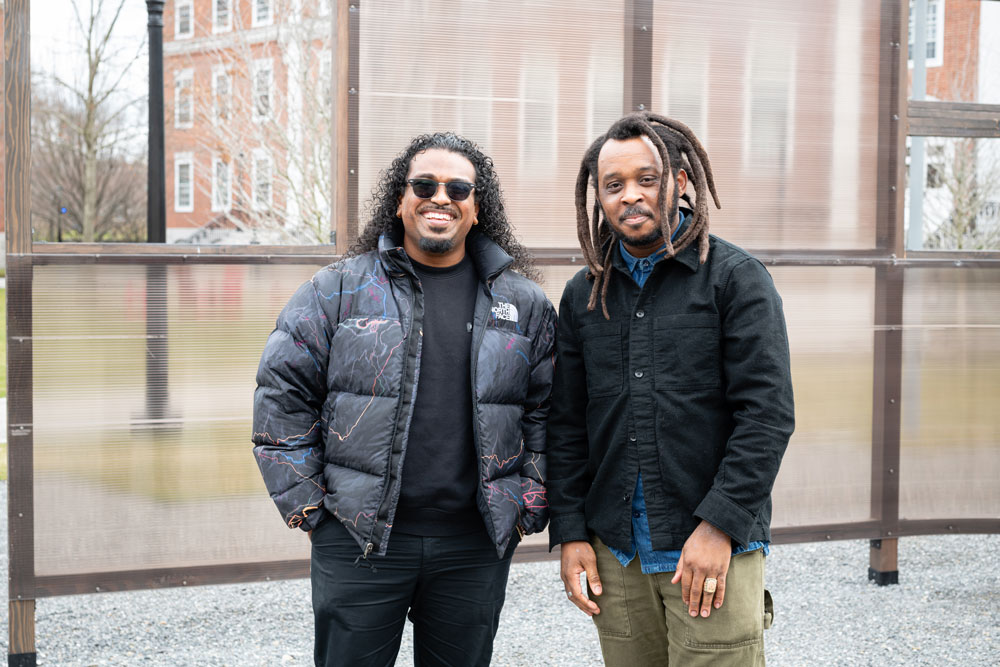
(458, 191)
(423, 188)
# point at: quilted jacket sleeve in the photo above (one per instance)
(287, 409)
(536, 410)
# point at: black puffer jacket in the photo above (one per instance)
(337, 383)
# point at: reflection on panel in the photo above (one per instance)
(532, 83)
(789, 123)
(950, 439)
(962, 55)
(825, 476)
(139, 466)
(959, 203)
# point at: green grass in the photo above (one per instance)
(3, 343)
(3, 461)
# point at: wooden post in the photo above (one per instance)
(344, 172)
(638, 80)
(17, 213)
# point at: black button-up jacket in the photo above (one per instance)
(689, 383)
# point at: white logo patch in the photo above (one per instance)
(505, 311)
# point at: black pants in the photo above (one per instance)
(452, 587)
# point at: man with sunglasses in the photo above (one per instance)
(400, 415)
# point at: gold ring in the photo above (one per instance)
(710, 585)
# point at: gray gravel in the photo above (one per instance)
(826, 614)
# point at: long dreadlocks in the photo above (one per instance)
(492, 214)
(679, 148)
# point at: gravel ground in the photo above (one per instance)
(826, 613)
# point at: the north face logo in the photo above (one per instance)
(505, 311)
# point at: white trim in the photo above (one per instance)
(216, 206)
(177, 19)
(259, 155)
(541, 72)
(256, 21)
(183, 88)
(937, 38)
(257, 67)
(181, 159)
(217, 71)
(228, 24)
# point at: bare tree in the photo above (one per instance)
(82, 128)
(962, 195)
(264, 116)
(62, 196)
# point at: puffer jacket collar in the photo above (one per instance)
(489, 259)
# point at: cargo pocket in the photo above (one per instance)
(688, 352)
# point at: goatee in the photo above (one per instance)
(436, 246)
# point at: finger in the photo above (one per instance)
(680, 571)
(694, 603)
(686, 586)
(720, 592)
(593, 578)
(706, 603)
(577, 597)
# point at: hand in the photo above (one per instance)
(577, 557)
(705, 554)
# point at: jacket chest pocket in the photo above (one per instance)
(602, 356)
(686, 351)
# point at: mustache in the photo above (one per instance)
(635, 210)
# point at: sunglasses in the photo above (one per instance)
(425, 188)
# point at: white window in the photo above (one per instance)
(184, 98)
(326, 78)
(935, 33)
(262, 12)
(604, 102)
(183, 19)
(684, 90)
(262, 180)
(222, 194)
(538, 129)
(222, 93)
(769, 90)
(183, 182)
(263, 80)
(324, 8)
(222, 15)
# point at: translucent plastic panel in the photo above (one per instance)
(826, 473)
(144, 467)
(959, 206)
(950, 439)
(962, 54)
(784, 97)
(531, 82)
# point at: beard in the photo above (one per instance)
(436, 246)
(652, 235)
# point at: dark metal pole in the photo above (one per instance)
(156, 211)
(156, 226)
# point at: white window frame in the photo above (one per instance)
(217, 206)
(256, 21)
(937, 38)
(699, 89)
(227, 26)
(179, 160)
(218, 71)
(535, 70)
(758, 44)
(177, 19)
(258, 65)
(259, 154)
(183, 86)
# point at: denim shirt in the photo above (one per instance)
(652, 561)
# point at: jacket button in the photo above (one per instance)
(636, 514)
(627, 497)
(640, 314)
(631, 438)
(638, 374)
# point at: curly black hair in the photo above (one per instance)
(492, 213)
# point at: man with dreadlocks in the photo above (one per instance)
(672, 407)
(400, 411)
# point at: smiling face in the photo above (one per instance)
(434, 229)
(628, 188)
